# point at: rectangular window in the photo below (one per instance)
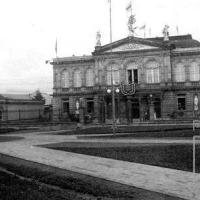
(135, 72)
(156, 75)
(194, 72)
(153, 75)
(181, 100)
(179, 73)
(149, 76)
(66, 106)
(132, 75)
(130, 79)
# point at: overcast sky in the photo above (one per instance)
(29, 29)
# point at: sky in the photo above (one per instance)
(29, 29)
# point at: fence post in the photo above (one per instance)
(1, 118)
(39, 114)
(59, 114)
(19, 114)
(194, 153)
(193, 125)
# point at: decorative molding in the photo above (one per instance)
(132, 46)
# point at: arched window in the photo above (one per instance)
(89, 77)
(179, 73)
(194, 72)
(77, 78)
(65, 79)
(57, 78)
(114, 70)
(132, 73)
(152, 73)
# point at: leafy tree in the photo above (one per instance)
(38, 96)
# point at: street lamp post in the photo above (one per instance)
(117, 91)
(113, 89)
(113, 92)
(113, 105)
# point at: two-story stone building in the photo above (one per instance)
(165, 72)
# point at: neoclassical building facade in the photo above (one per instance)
(165, 73)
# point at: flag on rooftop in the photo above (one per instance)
(56, 47)
(177, 30)
(131, 20)
(143, 27)
(129, 7)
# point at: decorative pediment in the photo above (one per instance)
(131, 47)
(131, 44)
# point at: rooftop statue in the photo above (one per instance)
(166, 33)
(98, 38)
(131, 21)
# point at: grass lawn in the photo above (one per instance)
(72, 186)
(14, 188)
(175, 156)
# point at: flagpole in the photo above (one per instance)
(112, 84)
(149, 32)
(56, 50)
(110, 24)
(177, 30)
(131, 8)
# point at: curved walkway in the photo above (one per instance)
(176, 183)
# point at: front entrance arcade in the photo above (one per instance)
(130, 109)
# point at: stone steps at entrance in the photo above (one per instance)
(159, 121)
(143, 129)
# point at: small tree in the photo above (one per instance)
(38, 96)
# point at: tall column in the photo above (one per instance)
(96, 108)
(129, 109)
(151, 108)
(106, 110)
(81, 110)
(102, 110)
(151, 111)
(141, 109)
(118, 105)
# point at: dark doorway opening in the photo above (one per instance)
(157, 108)
(109, 108)
(90, 106)
(1, 115)
(135, 109)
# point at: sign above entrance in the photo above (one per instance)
(127, 89)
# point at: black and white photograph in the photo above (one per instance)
(100, 100)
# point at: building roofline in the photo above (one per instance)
(62, 60)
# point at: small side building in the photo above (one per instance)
(20, 107)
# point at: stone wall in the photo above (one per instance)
(21, 110)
